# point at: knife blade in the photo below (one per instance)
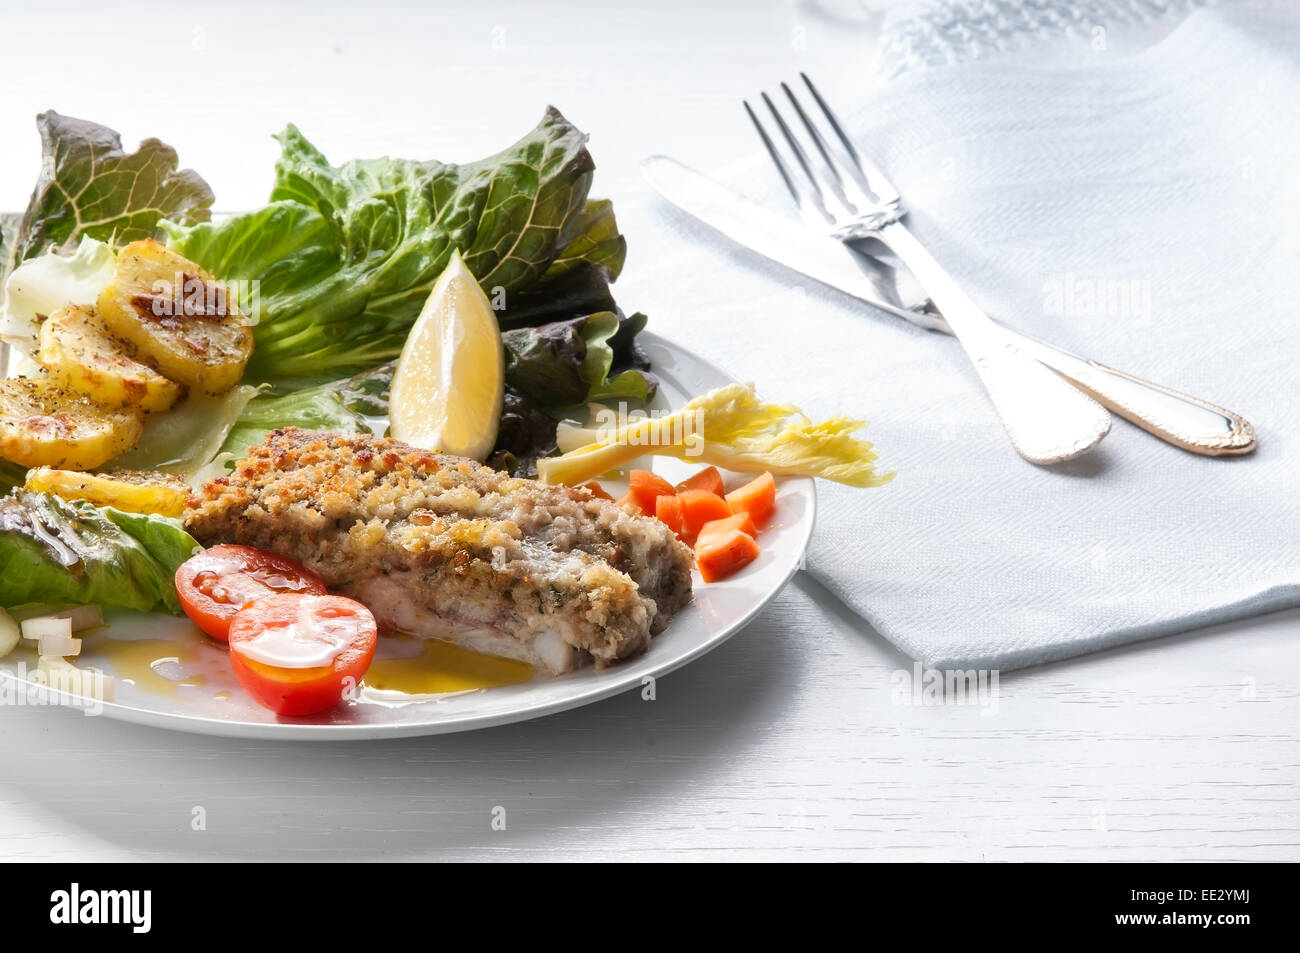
(1180, 419)
(785, 241)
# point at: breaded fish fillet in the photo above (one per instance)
(443, 547)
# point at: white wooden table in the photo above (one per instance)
(783, 743)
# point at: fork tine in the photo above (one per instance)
(847, 190)
(812, 131)
(800, 156)
(875, 178)
(774, 155)
(807, 195)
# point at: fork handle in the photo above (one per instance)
(1046, 418)
(1195, 425)
(1185, 421)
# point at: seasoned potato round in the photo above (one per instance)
(131, 490)
(44, 424)
(174, 316)
(79, 353)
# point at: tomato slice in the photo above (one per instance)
(220, 581)
(300, 654)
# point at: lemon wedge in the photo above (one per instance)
(450, 378)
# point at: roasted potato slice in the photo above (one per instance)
(136, 491)
(44, 424)
(79, 353)
(175, 317)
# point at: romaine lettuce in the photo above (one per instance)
(90, 186)
(184, 439)
(352, 405)
(40, 286)
(346, 255)
(57, 550)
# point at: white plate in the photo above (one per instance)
(214, 703)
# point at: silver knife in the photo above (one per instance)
(1188, 422)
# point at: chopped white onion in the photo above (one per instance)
(60, 646)
(82, 617)
(46, 626)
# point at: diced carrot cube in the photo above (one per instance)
(720, 554)
(707, 479)
(700, 507)
(668, 509)
(644, 487)
(757, 498)
(597, 490)
(628, 500)
(741, 521)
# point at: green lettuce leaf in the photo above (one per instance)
(285, 246)
(607, 337)
(346, 255)
(594, 239)
(56, 550)
(90, 186)
(184, 439)
(41, 285)
(352, 405)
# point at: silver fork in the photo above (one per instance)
(843, 193)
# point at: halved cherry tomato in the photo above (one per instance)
(300, 654)
(220, 581)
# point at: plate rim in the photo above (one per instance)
(471, 721)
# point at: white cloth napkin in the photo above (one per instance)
(1141, 211)
(919, 34)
